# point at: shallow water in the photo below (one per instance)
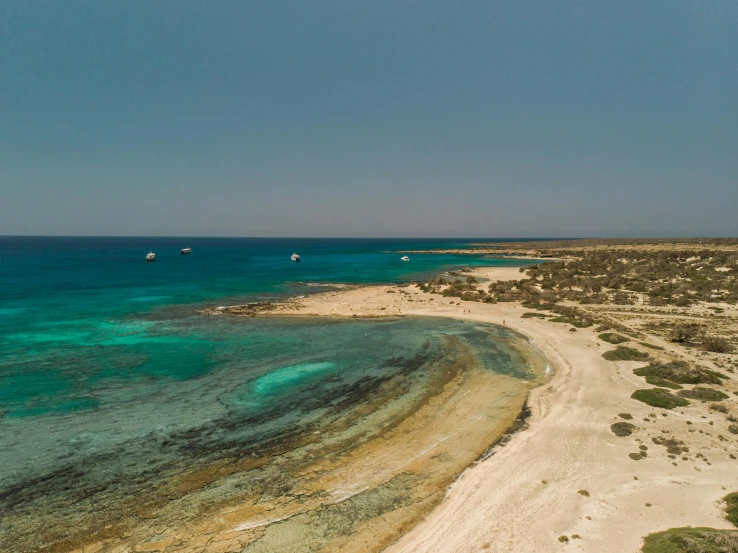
(127, 417)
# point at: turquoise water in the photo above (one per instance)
(111, 383)
(76, 312)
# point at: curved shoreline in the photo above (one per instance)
(527, 495)
(365, 475)
(564, 473)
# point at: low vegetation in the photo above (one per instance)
(533, 314)
(698, 540)
(645, 274)
(623, 353)
(731, 508)
(651, 346)
(692, 540)
(672, 445)
(662, 383)
(703, 394)
(658, 397)
(684, 333)
(681, 372)
(612, 338)
(716, 344)
(622, 429)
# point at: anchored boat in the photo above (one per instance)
(151, 256)
(405, 258)
(185, 251)
(294, 257)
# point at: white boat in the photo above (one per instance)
(294, 257)
(405, 258)
(151, 256)
(185, 250)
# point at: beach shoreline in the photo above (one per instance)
(462, 471)
(358, 478)
(566, 474)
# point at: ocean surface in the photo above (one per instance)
(113, 386)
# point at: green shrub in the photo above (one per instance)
(681, 372)
(733, 429)
(691, 540)
(626, 416)
(622, 429)
(731, 508)
(563, 539)
(561, 320)
(531, 314)
(636, 456)
(530, 304)
(623, 353)
(612, 338)
(703, 394)
(658, 397)
(673, 446)
(662, 382)
(585, 493)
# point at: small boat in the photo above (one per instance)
(151, 256)
(185, 250)
(294, 257)
(405, 258)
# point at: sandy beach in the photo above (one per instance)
(567, 475)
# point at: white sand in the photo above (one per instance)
(501, 504)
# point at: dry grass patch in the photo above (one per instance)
(716, 344)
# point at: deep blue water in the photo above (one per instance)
(91, 274)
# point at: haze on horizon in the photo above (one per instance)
(344, 118)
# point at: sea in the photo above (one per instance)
(125, 413)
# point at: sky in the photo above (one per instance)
(376, 118)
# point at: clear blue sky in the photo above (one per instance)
(371, 118)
